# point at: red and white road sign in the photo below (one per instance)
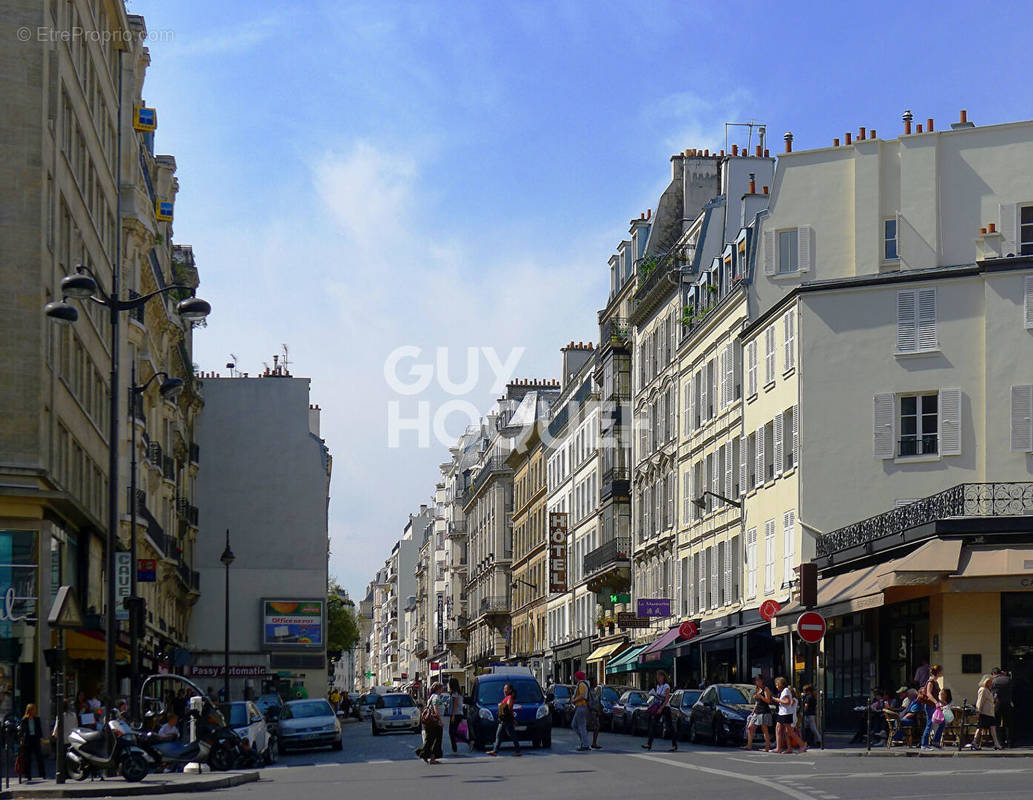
(688, 630)
(768, 609)
(811, 626)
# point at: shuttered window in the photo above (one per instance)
(779, 458)
(751, 563)
(1022, 419)
(751, 368)
(769, 556)
(789, 340)
(686, 505)
(916, 321)
(758, 475)
(884, 440)
(788, 545)
(769, 355)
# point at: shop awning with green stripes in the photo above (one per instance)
(626, 661)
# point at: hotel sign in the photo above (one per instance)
(557, 552)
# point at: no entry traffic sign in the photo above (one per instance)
(811, 626)
(688, 630)
(768, 609)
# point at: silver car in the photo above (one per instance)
(309, 723)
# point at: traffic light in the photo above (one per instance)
(808, 584)
(137, 608)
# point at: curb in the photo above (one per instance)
(120, 788)
(949, 754)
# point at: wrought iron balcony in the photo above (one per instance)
(420, 649)
(615, 332)
(616, 552)
(495, 605)
(456, 529)
(454, 636)
(963, 500)
(168, 468)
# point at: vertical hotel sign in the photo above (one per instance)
(557, 552)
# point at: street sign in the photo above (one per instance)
(768, 609)
(620, 598)
(688, 630)
(628, 619)
(654, 607)
(65, 611)
(123, 583)
(811, 626)
(434, 665)
(146, 570)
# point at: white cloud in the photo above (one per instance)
(696, 121)
(243, 36)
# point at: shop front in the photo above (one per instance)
(623, 669)
(601, 656)
(570, 658)
(20, 667)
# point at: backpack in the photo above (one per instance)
(595, 701)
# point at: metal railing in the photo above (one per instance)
(456, 529)
(454, 636)
(615, 331)
(611, 552)
(493, 464)
(654, 269)
(924, 445)
(494, 605)
(963, 500)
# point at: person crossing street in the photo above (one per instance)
(660, 713)
(580, 703)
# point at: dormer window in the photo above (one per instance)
(788, 251)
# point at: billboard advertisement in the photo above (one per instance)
(293, 624)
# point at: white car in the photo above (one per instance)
(249, 723)
(395, 711)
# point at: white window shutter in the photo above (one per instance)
(687, 402)
(796, 436)
(677, 588)
(1010, 228)
(805, 236)
(927, 339)
(728, 471)
(703, 395)
(742, 467)
(724, 378)
(885, 414)
(686, 490)
(950, 422)
(672, 491)
(779, 442)
(760, 456)
(729, 373)
(728, 573)
(1028, 303)
(907, 321)
(751, 368)
(1021, 419)
(672, 412)
(769, 252)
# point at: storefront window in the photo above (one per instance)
(17, 614)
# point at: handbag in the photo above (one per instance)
(462, 731)
(948, 715)
(938, 716)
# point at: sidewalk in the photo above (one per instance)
(839, 744)
(167, 783)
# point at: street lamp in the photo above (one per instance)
(169, 389)
(701, 501)
(227, 558)
(83, 285)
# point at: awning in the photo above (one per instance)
(88, 645)
(654, 652)
(731, 633)
(993, 562)
(604, 651)
(626, 661)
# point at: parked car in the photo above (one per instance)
(249, 722)
(533, 720)
(395, 711)
(682, 702)
(309, 723)
(720, 713)
(271, 706)
(610, 696)
(560, 702)
(624, 708)
(363, 707)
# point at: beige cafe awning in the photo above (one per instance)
(604, 651)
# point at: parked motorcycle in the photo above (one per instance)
(114, 746)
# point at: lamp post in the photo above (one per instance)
(169, 390)
(84, 285)
(227, 558)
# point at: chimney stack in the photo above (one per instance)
(835, 142)
(908, 116)
(753, 183)
(963, 122)
(735, 149)
(929, 125)
(860, 133)
(789, 141)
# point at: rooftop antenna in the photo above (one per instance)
(762, 131)
(231, 365)
(285, 362)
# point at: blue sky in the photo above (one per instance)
(355, 177)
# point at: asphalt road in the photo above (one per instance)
(384, 768)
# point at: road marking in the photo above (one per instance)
(379, 761)
(762, 781)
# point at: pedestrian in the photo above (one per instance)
(30, 735)
(929, 696)
(985, 706)
(909, 710)
(595, 712)
(432, 725)
(1002, 687)
(786, 736)
(659, 712)
(761, 716)
(922, 674)
(455, 711)
(346, 703)
(810, 715)
(580, 703)
(942, 716)
(507, 719)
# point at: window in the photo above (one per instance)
(916, 321)
(769, 556)
(1026, 231)
(919, 425)
(769, 452)
(788, 539)
(789, 340)
(790, 435)
(889, 239)
(751, 369)
(769, 355)
(1021, 419)
(788, 250)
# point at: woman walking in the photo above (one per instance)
(761, 716)
(660, 712)
(786, 736)
(432, 725)
(810, 715)
(595, 712)
(455, 711)
(929, 696)
(30, 733)
(987, 715)
(507, 718)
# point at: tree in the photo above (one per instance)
(342, 629)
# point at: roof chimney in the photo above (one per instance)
(753, 183)
(835, 142)
(929, 125)
(789, 141)
(735, 149)
(848, 140)
(873, 136)
(759, 152)
(963, 122)
(860, 133)
(908, 116)
(765, 190)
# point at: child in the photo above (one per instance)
(945, 703)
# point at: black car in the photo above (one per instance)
(561, 694)
(624, 709)
(610, 696)
(720, 713)
(682, 702)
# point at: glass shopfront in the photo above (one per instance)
(18, 598)
(1017, 646)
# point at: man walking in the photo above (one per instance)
(580, 703)
(1001, 688)
(660, 713)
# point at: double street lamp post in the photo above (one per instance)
(84, 285)
(226, 558)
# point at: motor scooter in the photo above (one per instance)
(114, 746)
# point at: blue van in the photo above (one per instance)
(533, 717)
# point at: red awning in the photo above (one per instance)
(655, 651)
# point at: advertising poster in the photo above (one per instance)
(293, 624)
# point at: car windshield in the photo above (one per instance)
(527, 691)
(315, 708)
(690, 697)
(395, 701)
(609, 694)
(735, 695)
(236, 714)
(267, 701)
(636, 699)
(560, 691)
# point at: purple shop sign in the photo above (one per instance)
(654, 607)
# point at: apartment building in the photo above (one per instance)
(428, 632)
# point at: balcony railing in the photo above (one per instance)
(615, 332)
(456, 529)
(963, 500)
(493, 464)
(919, 445)
(154, 454)
(454, 636)
(136, 313)
(608, 553)
(495, 605)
